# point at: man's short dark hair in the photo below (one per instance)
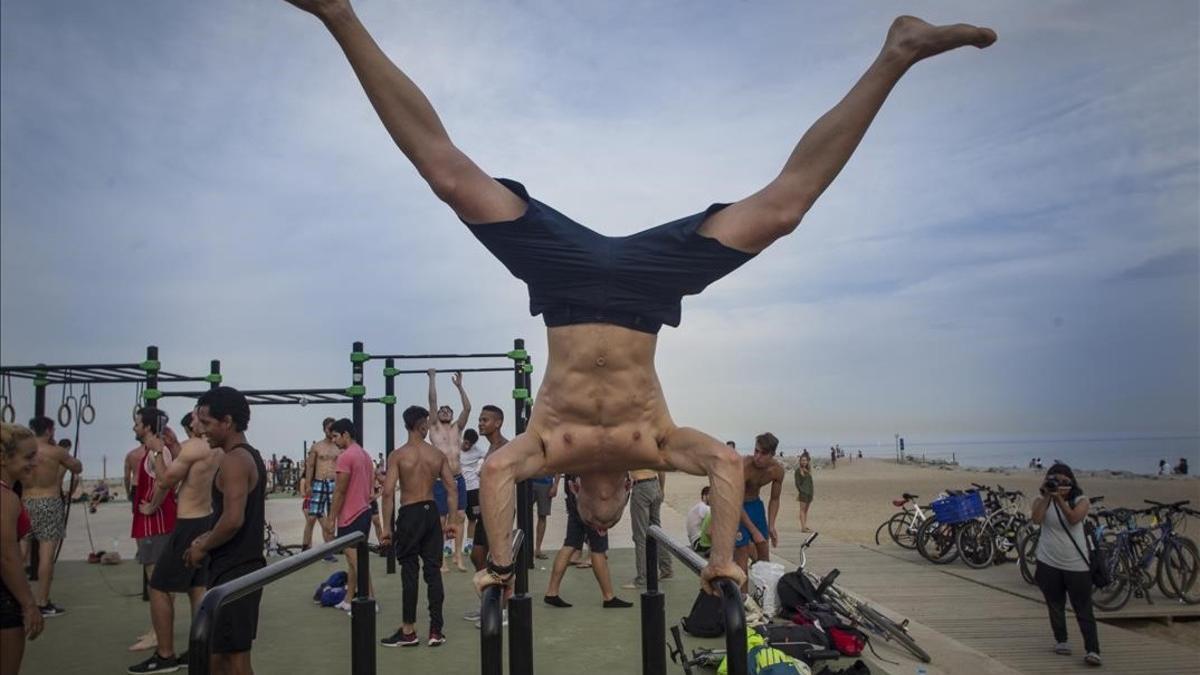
(413, 415)
(704, 491)
(65, 443)
(471, 436)
(343, 426)
(494, 410)
(228, 402)
(767, 442)
(40, 425)
(731, 444)
(153, 419)
(186, 421)
(326, 422)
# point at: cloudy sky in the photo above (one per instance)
(1014, 249)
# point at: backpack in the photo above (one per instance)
(332, 595)
(795, 640)
(795, 590)
(764, 660)
(705, 620)
(338, 579)
(847, 639)
(858, 668)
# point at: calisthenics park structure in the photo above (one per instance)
(147, 375)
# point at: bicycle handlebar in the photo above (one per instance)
(1172, 505)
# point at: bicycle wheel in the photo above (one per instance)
(882, 526)
(1027, 544)
(1114, 596)
(976, 542)
(1008, 538)
(902, 530)
(893, 630)
(935, 542)
(1180, 564)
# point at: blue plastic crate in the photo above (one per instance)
(958, 508)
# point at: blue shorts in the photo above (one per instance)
(758, 515)
(576, 275)
(439, 495)
(322, 497)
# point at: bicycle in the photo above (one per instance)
(1132, 551)
(902, 527)
(990, 539)
(857, 612)
(937, 541)
(272, 546)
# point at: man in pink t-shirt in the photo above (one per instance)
(352, 496)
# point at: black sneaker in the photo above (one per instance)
(399, 639)
(155, 664)
(182, 658)
(51, 610)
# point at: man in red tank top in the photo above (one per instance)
(150, 531)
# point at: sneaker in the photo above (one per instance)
(51, 610)
(1092, 659)
(343, 605)
(182, 658)
(330, 558)
(399, 639)
(503, 615)
(155, 664)
(471, 615)
(633, 586)
(447, 551)
(436, 638)
(616, 603)
(1063, 649)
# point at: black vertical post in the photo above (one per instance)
(151, 366)
(389, 441)
(214, 374)
(362, 618)
(357, 389)
(39, 410)
(520, 606)
(654, 618)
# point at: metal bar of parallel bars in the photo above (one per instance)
(422, 371)
(362, 614)
(654, 620)
(439, 356)
(491, 622)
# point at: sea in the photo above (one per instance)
(1138, 453)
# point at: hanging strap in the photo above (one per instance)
(1087, 561)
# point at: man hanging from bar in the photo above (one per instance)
(600, 410)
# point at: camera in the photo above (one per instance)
(1052, 485)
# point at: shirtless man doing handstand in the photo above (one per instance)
(600, 411)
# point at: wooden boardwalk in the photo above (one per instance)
(1008, 629)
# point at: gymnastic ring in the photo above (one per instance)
(64, 414)
(8, 413)
(87, 414)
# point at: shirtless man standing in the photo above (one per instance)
(192, 472)
(445, 433)
(320, 477)
(416, 465)
(757, 523)
(600, 411)
(47, 510)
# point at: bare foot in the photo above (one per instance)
(913, 39)
(460, 566)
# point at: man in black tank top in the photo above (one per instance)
(234, 545)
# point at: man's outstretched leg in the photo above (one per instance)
(754, 223)
(413, 123)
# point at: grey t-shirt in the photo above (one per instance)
(1054, 543)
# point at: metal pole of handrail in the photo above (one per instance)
(731, 595)
(491, 622)
(209, 612)
(362, 617)
(654, 616)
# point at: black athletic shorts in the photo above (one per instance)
(238, 626)
(576, 275)
(11, 615)
(361, 523)
(577, 531)
(171, 575)
(473, 504)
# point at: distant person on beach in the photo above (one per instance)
(832, 457)
(1182, 467)
(1162, 467)
(804, 489)
(757, 530)
(1062, 564)
(20, 617)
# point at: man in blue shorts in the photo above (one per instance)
(757, 528)
(601, 412)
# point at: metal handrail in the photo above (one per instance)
(491, 619)
(362, 612)
(654, 618)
